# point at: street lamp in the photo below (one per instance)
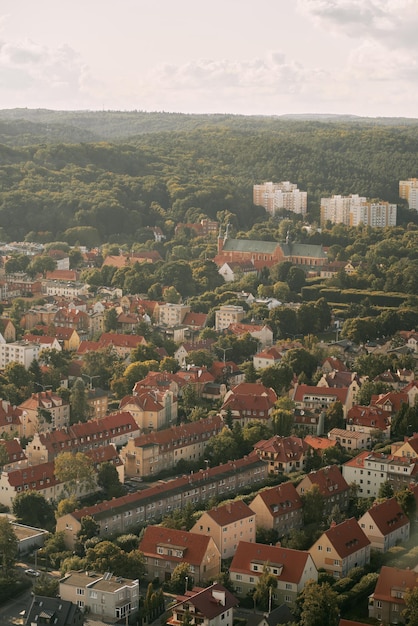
(90, 379)
(225, 350)
(186, 581)
(43, 387)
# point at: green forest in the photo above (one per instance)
(104, 177)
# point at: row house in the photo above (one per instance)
(342, 380)
(165, 548)
(41, 478)
(291, 568)
(151, 409)
(314, 398)
(385, 524)
(369, 420)
(249, 402)
(114, 429)
(370, 470)
(340, 548)
(227, 525)
(387, 601)
(283, 454)
(104, 596)
(65, 289)
(148, 454)
(279, 508)
(150, 505)
(44, 411)
(332, 485)
(210, 606)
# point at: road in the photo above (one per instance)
(11, 612)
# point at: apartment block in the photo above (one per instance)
(228, 314)
(283, 195)
(354, 210)
(408, 190)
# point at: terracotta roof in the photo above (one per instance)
(195, 319)
(388, 516)
(145, 401)
(272, 354)
(319, 443)
(14, 450)
(88, 346)
(231, 512)
(179, 436)
(281, 499)
(62, 275)
(395, 399)
(301, 391)
(194, 546)
(329, 480)
(284, 449)
(121, 341)
(335, 363)
(393, 578)
(195, 375)
(293, 561)
(347, 537)
(369, 416)
(206, 603)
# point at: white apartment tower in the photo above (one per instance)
(284, 195)
(408, 190)
(354, 210)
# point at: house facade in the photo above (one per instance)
(279, 508)
(385, 524)
(210, 606)
(331, 484)
(387, 601)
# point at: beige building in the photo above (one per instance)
(350, 440)
(227, 525)
(150, 453)
(105, 596)
(151, 409)
(228, 314)
(44, 411)
(408, 190)
(340, 548)
(170, 314)
(279, 508)
(284, 195)
(387, 601)
(165, 548)
(385, 524)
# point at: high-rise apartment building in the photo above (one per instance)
(408, 190)
(284, 195)
(354, 210)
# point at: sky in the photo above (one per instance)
(251, 57)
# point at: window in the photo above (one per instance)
(79, 591)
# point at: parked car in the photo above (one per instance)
(31, 572)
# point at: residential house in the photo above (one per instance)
(261, 332)
(210, 606)
(319, 444)
(292, 569)
(149, 454)
(10, 420)
(385, 524)
(171, 315)
(45, 342)
(76, 319)
(186, 347)
(161, 381)
(340, 548)
(98, 402)
(369, 420)
(164, 548)
(408, 448)
(44, 411)
(350, 440)
(279, 508)
(104, 596)
(314, 398)
(150, 505)
(267, 358)
(391, 401)
(151, 409)
(283, 454)
(387, 601)
(370, 470)
(13, 455)
(342, 380)
(249, 402)
(332, 486)
(233, 270)
(45, 610)
(121, 344)
(227, 372)
(333, 364)
(227, 525)
(196, 376)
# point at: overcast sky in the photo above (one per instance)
(220, 56)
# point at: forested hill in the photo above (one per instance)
(202, 166)
(29, 126)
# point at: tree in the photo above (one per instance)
(66, 505)
(300, 360)
(8, 547)
(385, 490)
(110, 320)
(334, 416)
(410, 613)
(264, 589)
(278, 377)
(108, 480)
(318, 605)
(32, 508)
(222, 448)
(75, 471)
(180, 573)
(88, 528)
(79, 407)
(46, 586)
(106, 556)
(313, 505)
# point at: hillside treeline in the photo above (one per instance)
(110, 192)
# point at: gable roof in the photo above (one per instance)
(207, 600)
(229, 513)
(193, 546)
(281, 499)
(301, 391)
(388, 516)
(293, 561)
(347, 537)
(329, 480)
(284, 449)
(394, 578)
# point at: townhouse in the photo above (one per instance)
(332, 486)
(150, 505)
(278, 508)
(227, 525)
(165, 548)
(104, 596)
(249, 402)
(292, 569)
(114, 429)
(340, 548)
(385, 525)
(148, 454)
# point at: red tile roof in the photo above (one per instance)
(284, 449)
(302, 391)
(194, 546)
(393, 578)
(230, 513)
(206, 602)
(293, 561)
(121, 341)
(195, 319)
(347, 537)
(319, 443)
(388, 516)
(178, 436)
(13, 449)
(369, 416)
(281, 499)
(329, 480)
